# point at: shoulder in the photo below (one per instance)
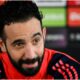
(64, 66)
(50, 51)
(2, 72)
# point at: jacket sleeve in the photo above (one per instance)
(2, 72)
(62, 66)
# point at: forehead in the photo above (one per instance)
(27, 28)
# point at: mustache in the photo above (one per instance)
(29, 61)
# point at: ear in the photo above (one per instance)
(44, 33)
(2, 45)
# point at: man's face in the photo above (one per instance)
(25, 45)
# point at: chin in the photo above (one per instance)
(30, 71)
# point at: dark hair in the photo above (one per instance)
(17, 11)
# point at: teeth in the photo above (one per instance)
(30, 65)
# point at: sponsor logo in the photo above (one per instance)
(51, 2)
(74, 17)
(54, 17)
(56, 40)
(55, 37)
(75, 36)
(75, 2)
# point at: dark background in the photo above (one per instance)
(70, 43)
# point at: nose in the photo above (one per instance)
(29, 52)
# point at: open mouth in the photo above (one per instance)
(32, 65)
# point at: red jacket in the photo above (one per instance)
(55, 65)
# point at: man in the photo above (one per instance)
(22, 40)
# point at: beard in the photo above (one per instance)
(27, 71)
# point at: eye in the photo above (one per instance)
(36, 41)
(19, 45)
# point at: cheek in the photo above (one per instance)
(40, 49)
(15, 54)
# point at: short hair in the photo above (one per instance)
(17, 11)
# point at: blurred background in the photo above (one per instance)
(62, 20)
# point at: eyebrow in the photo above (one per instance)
(38, 33)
